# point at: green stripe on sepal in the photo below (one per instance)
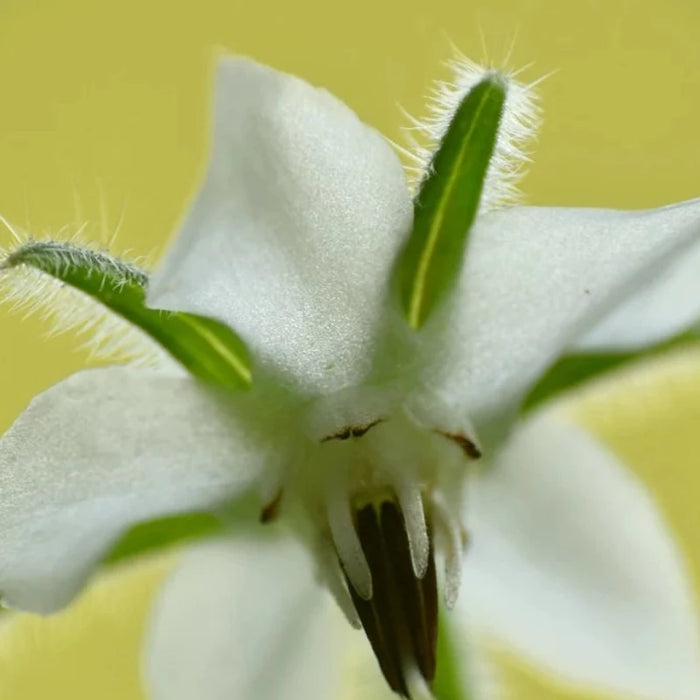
(448, 200)
(573, 370)
(208, 349)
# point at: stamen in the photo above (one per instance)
(450, 534)
(271, 509)
(411, 501)
(400, 620)
(422, 621)
(347, 543)
(468, 446)
(354, 431)
(417, 687)
(387, 631)
(331, 575)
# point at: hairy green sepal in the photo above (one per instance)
(448, 199)
(208, 349)
(573, 370)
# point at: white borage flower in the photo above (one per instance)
(360, 431)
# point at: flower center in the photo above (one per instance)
(381, 483)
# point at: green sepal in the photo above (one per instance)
(449, 683)
(448, 200)
(573, 370)
(208, 349)
(152, 535)
(148, 536)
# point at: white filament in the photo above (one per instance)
(415, 683)
(411, 502)
(330, 575)
(449, 531)
(345, 538)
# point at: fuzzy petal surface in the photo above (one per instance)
(572, 565)
(534, 279)
(99, 452)
(292, 236)
(242, 618)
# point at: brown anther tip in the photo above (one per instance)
(468, 446)
(271, 509)
(360, 430)
(352, 431)
(344, 434)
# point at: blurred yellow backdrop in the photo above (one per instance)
(104, 121)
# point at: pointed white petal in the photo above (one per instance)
(242, 619)
(668, 305)
(292, 237)
(99, 452)
(533, 280)
(572, 565)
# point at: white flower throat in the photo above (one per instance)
(384, 485)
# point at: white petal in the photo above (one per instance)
(668, 305)
(292, 237)
(534, 279)
(572, 565)
(242, 619)
(99, 452)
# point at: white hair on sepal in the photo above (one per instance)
(108, 336)
(518, 127)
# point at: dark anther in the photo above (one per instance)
(344, 434)
(352, 431)
(271, 509)
(360, 430)
(400, 619)
(468, 446)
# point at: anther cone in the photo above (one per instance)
(400, 619)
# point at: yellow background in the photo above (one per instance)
(104, 117)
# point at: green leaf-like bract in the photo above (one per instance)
(449, 683)
(572, 370)
(208, 349)
(448, 200)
